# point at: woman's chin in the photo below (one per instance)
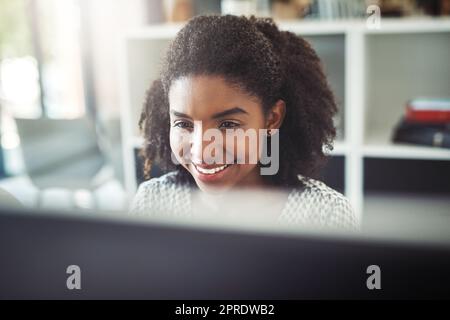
(213, 189)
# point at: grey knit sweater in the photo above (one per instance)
(313, 204)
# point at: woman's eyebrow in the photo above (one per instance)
(179, 114)
(235, 110)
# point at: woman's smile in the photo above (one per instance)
(210, 173)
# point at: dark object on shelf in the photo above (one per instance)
(445, 8)
(178, 10)
(393, 8)
(431, 7)
(334, 9)
(437, 135)
(426, 122)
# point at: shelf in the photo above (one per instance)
(379, 145)
(311, 27)
(411, 25)
(387, 25)
(316, 27)
(404, 151)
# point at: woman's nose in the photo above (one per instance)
(197, 144)
(200, 141)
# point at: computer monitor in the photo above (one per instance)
(121, 258)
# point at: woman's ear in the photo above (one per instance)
(276, 114)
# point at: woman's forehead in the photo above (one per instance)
(202, 96)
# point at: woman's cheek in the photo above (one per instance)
(179, 145)
(242, 149)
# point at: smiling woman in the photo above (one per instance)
(234, 78)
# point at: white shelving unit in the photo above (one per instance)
(372, 72)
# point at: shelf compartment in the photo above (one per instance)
(400, 67)
(331, 50)
(410, 175)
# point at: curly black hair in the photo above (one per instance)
(267, 63)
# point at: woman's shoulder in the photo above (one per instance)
(316, 203)
(164, 193)
(168, 180)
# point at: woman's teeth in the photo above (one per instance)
(211, 171)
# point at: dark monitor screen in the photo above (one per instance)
(121, 259)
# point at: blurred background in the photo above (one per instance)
(73, 74)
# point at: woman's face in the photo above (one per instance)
(202, 105)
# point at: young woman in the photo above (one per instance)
(224, 73)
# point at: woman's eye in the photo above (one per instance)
(228, 124)
(183, 125)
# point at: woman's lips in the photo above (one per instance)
(211, 174)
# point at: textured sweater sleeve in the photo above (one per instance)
(144, 198)
(319, 205)
(161, 196)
